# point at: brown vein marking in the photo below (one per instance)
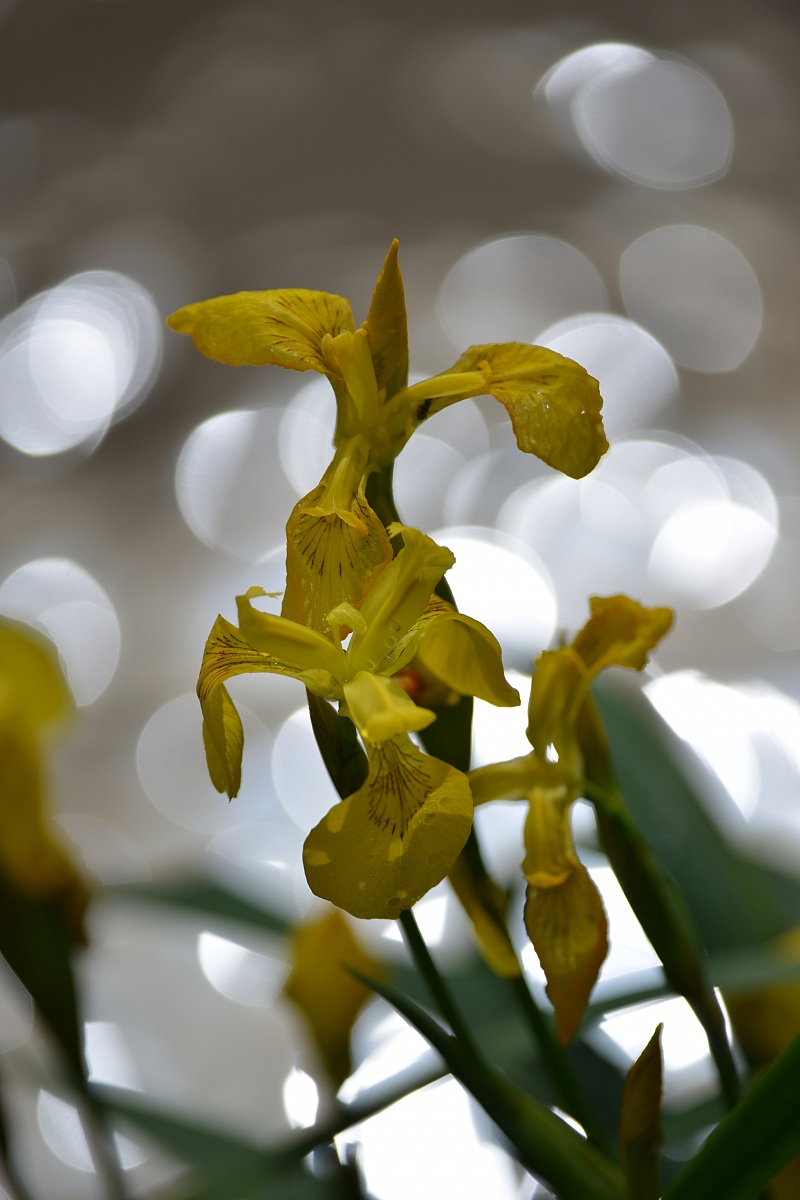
(398, 790)
(228, 656)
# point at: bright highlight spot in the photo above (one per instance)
(240, 974)
(61, 1128)
(172, 769)
(511, 288)
(696, 292)
(73, 359)
(231, 489)
(300, 1099)
(61, 598)
(108, 1056)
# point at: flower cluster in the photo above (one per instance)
(362, 599)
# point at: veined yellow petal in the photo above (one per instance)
(333, 554)
(387, 327)
(380, 709)
(282, 328)
(554, 404)
(377, 852)
(223, 740)
(466, 656)
(620, 633)
(567, 926)
(323, 988)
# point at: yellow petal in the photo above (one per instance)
(32, 683)
(283, 328)
(380, 709)
(333, 555)
(486, 904)
(620, 633)
(396, 601)
(291, 648)
(467, 657)
(567, 926)
(553, 403)
(508, 780)
(228, 653)
(377, 852)
(323, 988)
(387, 327)
(559, 684)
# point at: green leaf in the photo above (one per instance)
(543, 1143)
(36, 944)
(752, 1143)
(341, 750)
(640, 1122)
(200, 894)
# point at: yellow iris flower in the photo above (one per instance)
(380, 849)
(564, 914)
(34, 700)
(553, 403)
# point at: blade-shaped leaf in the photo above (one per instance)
(341, 750)
(640, 1122)
(387, 327)
(543, 1143)
(752, 1143)
(201, 895)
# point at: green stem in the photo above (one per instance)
(436, 984)
(557, 1064)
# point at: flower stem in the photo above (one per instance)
(436, 984)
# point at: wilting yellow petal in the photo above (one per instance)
(321, 985)
(553, 403)
(567, 926)
(387, 327)
(467, 657)
(223, 740)
(380, 709)
(620, 633)
(333, 555)
(282, 328)
(377, 852)
(486, 904)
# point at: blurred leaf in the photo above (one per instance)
(640, 1122)
(450, 736)
(36, 944)
(543, 1143)
(751, 1143)
(734, 901)
(203, 895)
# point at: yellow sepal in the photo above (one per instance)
(283, 328)
(377, 852)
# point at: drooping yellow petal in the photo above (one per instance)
(294, 649)
(282, 328)
(620, 633)
(554, 404)
(377, 852)
(228, 652)
(486, 904)
(387, 327)
(380, 709)
(335, 548)
(567, 926)
(466, 656)
(322, 987)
